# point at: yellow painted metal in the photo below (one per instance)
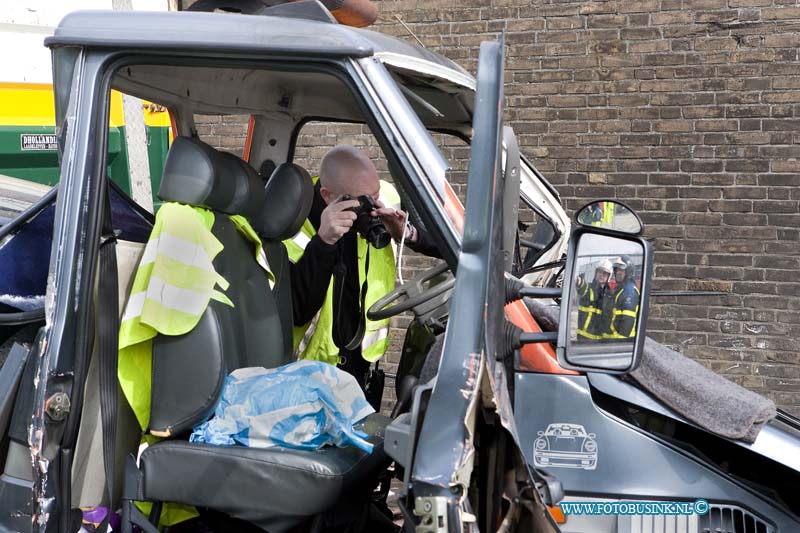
(31, 104)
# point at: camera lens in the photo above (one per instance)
(377, 235)
(371, 228)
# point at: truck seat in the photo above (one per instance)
(274, 488)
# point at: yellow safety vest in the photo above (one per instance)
(315, 339)
(174, 282)
(608, 215)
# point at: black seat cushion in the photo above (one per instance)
(274, 488)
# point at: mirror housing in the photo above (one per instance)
(604, 314)
(611, 215)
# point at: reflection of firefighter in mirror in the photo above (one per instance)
(595, 301)
(595, 214)
(607, 217)
(602, 214)
(626, 300)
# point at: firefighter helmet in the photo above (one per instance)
(604, 266)
(625, 263)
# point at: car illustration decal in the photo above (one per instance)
(565, 445)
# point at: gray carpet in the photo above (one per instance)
(704, 397)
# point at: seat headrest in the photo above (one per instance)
(197, 174)
(287, 201)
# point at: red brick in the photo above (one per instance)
(647, 47)
(566, 101)
(593, 8)
(780, 13)
(716, 17)
(565, 23)
(790, 165)
(606, 21)
(749, 3)
(678, 17)
(637, 6)
(640, 33)
(715, 43)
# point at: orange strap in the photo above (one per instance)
(248, 143)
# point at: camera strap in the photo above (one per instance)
(340, 273)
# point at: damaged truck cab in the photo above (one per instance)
(496, 421)
(66, 437)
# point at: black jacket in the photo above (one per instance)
(311, 275)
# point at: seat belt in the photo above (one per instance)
(108, 328)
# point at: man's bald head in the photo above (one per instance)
(348, 170)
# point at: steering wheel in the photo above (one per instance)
(415, 292)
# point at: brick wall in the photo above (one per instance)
(690, 112)
(687, 110)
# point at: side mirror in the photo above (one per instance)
(611, 215)
(540, 433)
(604, 301)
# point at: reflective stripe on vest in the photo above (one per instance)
(301, 240)
(315, 339)
(589, 310)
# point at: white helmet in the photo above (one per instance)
(604, 266)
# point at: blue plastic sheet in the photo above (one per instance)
(303, 405)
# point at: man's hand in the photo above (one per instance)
(336, 220)
(393, 219)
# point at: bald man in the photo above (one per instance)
(346, 172)
(337, 275)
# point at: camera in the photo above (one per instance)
(371, 228)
